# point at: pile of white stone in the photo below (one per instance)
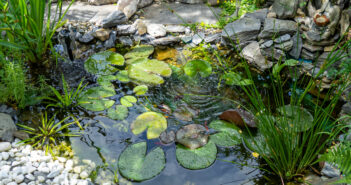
(20, 164)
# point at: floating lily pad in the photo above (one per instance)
(198, 67)
(228, 135)
(198, 158)
(95, 99)
(140, 90)
(128, 101)
(236, 79)
(142, 51)
(133, 163)
(136, 60)
(149, 71)
(101, 63)
(192, 136)
(155, 124)
(120, 113)
(106, 80)
(256, 142)
(295, 117)
(122, 76)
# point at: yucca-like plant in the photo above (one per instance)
(48, 133)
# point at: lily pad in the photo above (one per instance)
(120, 113)
(136, 60)
(140, 90)
(198, 67)
(149, 72)
(142, 51)
(198, 158)
(95, 99)
(256, 142)
(154, 122)
(122, 76)
(133, 163)
(294, 117)
(101, 63)
(128, 101)
(192, 136)
(228, 135)
(236, 79)
(106, 80)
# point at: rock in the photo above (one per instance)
(21, 135)
(345, 111)
(252, 54)
(101, 2)
(198, 38)
(214, 38)
(113, 19)
(271, 15)
(266, 44)
(5, 155)
(7, 127)
(191, 1)
(312, 48)
(125, 40)
(19, 178)
(277, 27)
(307, 55)
(102, 34)
(186, 39)
(260, 14)
(86, 38)
(330, 170)
(144, 39)
(128, 7)
(285, 9)
(144, 3)
(285, 46)
(175, 28)
(297, 46)
(242, 30)
(140, 26)
(192, 136)
(273, 54)
(41, 179)
(156, 30)
(282, 38)
(213, 2)
(329, 48)
(84, 175)
(110, 43)
(167, 137)
(165, 41)
(5, 146)
(126, 29)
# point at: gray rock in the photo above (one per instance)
(253, 55)
(307, 55)
(102, 34)
(242, 30)
(213, 38)
(175, 29)
(297, 46)
(277, 27)
(144, 39)
(125, 40)
(156, 30)
(7, 127)
(167, 137)
(266, 44)
(285, 9)
(86, 38)
(282, 38)
(110, 43)
(273, 54)
(144, 3)
(285, 46)
(187, 39)
(101, 2)
(126, 29)
(191, 1)
(5, 146)
(166, 41)
(128, 7)
(312, 48)
(140, 26)
(260, 14)
(345, 111)
(330, 170)
(198, 38)
(113, 19)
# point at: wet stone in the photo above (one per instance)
(192, 136)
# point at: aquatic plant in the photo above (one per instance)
(201, 67)
(119, 113)
(228, 134)
(48, 134)
(96, 98)
(154, 123)
(102, 63)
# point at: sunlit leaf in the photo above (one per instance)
(198, 67)
(128, 101)
(153, 122)
(140, 90)
(228, 134)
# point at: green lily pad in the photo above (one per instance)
(136, 60)
(142, 51)
(95, 99)
(228, 135)
(198, 66)
(133, 163)
(106, 80)
(196, 159)
(256, 142)
(236, 79)
(101, 63)
(140, 90)
(128, 101)
(154, 122)
(294, 117)
(149, 71)
(122, 76)
(120, 113)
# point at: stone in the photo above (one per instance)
(329, 48)
(86, 38)
(285, 46)
(156, 30)
(7, 127)
(260, 14)
(5, 146)
(167, 137)
(113, 19)
(266, 44)
(102, 34)
(297, 46)
(128, 7)
(214, 38)
(84, 175)
(5, 155)
(285, 9)
(21, 135)
(30, 177)
(191, 1)
(198, 38)
(242, 30)
(282, 38)
(271, 15)
(143, 39)
(330, 170)
(41, 179)
(125, 40)
(252, 54)
(169, 40)
(312, 48)
(53, 174)
(307, 55)
(187, 39)
(278, 27)
(273, 54)
(144, 3)
(101, 2)
(140, 26)
(213, 2)
(126, 29)
(175, 28)
(19, 178)
(110, 43)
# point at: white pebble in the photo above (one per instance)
(30, 177)
(61, 159)
(41, 179)
(83, 182)
(12, 183)
(53, 174)
(19, 178)
(77, 169)
(84, 175)
(5, 146)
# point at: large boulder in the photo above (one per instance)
(285, 9)
(128, 7)
(101, 2)
(252, 54)
(242, 31)
(276, 27)
(113, 19)
(7, 127)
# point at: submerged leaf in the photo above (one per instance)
(140, 90)
(101, 63)
(122, 76)
(106, 80)
(236, 79)
(257, 143)
(116, 59)
(294, 117)
(155, 124)
(133, 163)
(128, 101)
(228, 135)
(95, 99)
(198, 67)
(120, 113)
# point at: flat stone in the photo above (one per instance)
(113, 19)
(266, 44)
(307, 55)
(102, 34)
(101, 2)
(186, 39)
(128, 7)
(282, 38)
(140, 26)
(273, 54)
(198, 38)
(260, 14)
(312, 48)
(330, 170)
(156, 30)
(110, 43)
(175, 28)
(126, 29)
(125, 40)
(86, 38)
(191, 1)
(285, 9)
(277, 27)
(297, 46)
(53, 174)
(7, 127)
(329, 48)
(166, 41)
(285, 46)
(252, 54)
(213, 38)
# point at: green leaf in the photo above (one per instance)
(128, 101)
(133, 163)
(228, 135)
(95, 99)
(116, 59)
(154, 122)
(232, 78)
(198, 66)
(122, 76)
(142, 51)
(136, 60)
(140, 89)
(106, 80)
(291, 62)
(198, 158)
(101, 63)
(257, 143)
(120, 113)
(294, 117)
